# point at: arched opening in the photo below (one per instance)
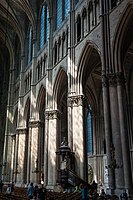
(61, 100)
(41, 131)
(125, 52)
(60, 96)
(94, 136)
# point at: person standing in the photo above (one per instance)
(12, 187)
(124, 195)
(30, 191)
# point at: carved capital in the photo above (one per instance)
(35, 124)
(120, 79)
(21, 131)
(52, 114)
(104, 80)
(112, 79)
(75, 101)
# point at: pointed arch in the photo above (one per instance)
(41, 102)
(60, 86)
(120, 35)
(89, 50)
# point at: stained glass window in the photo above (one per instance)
(46, 22)
(89, 134)
(66, 7)
(42, 28)
(44, 25)
(59, 12)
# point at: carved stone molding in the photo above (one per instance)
(75, 101)
(104, 80)
(21, 131)
(52, 114)
(112, 80)
(35, 124)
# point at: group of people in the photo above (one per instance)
(10, 187)
(36, 192)
(89, 192)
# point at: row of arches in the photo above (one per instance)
(95, 120)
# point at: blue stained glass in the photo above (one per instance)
(59, 12)
(29, 45)
(42, 28)
(66, 7)
(47, 24)
(89, 134)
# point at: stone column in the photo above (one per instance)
(20, 157)
(123, 129)
(13, 156)
(107, 126)
(51, 144)
(76, 137)
(16, 156)
(35, 151)
(116, 149)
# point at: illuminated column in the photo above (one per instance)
(76, 136)
(52, 118)
(20, 157)
(36, 151)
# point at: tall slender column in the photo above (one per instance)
(46, 148)
(19, 172)
(76, 103)
(36, 157)
(51, 137)
(123, 129)
(16, 157)
(107, 126)
(13, 156)
(115, 126)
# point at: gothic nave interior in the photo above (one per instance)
(66, 95)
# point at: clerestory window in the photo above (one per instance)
(44, 25)
(62, 11)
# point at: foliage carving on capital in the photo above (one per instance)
(52, 114)
(75, 100)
